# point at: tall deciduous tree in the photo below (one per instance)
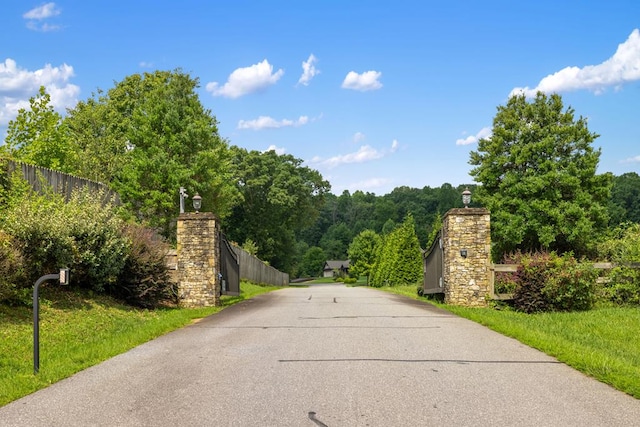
(362, 253)
(539, 180)
(99, 133)
(312, 262)
(625, 199)
(38, 136)
(280, 198)
(157, 138)
(335, 241)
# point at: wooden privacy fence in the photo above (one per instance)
(61, 183)
(251, 268)
(255, 270)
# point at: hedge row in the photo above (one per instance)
(546, 281)
(41, 233)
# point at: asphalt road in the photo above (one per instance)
(328, 356)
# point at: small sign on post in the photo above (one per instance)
(64, 276)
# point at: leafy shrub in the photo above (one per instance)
(623, 249)
(350, 280)
(250, 247)
(530, 280)
(546, 281)
(144, 280)
(505, 282)
(41, 234)
(82, 234)
(13, 285)
(99, 247)
(570, 284)
(623, 286)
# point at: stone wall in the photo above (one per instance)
(198, 261)
(466, 278)
(171, 261)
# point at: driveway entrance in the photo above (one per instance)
(328, 355)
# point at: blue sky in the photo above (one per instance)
(374, 95)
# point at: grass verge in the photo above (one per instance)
(603, 343)
(78, 330)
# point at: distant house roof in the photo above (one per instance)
(336, 265)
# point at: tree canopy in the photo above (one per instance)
(362, 253)
(150, 135)
(312, 262)
(38, 136)
(280, 197)
(625, 199)
(539, 180)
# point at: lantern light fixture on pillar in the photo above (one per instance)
(466, 197)
(197, 202)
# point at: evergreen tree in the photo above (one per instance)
(399, 258)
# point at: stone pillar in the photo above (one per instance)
(198, 259)
(466, 237)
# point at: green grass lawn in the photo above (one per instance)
(78, 331)
(321, 280)
(603, 343)
(362, 280)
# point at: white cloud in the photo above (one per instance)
(9, 108)
(359, 137)
(279, 150)
(246, 80)
(472, 139)
(309, 70)
(394, 146)
(362, 82)
(365, 153)
(370, 184)
(47, 10)
(36, 15)
(145, 64)
(622, 67)
(266, 122)
(17, 85)
(43, 27)
(635, 159)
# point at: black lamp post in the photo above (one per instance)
(63, 278)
